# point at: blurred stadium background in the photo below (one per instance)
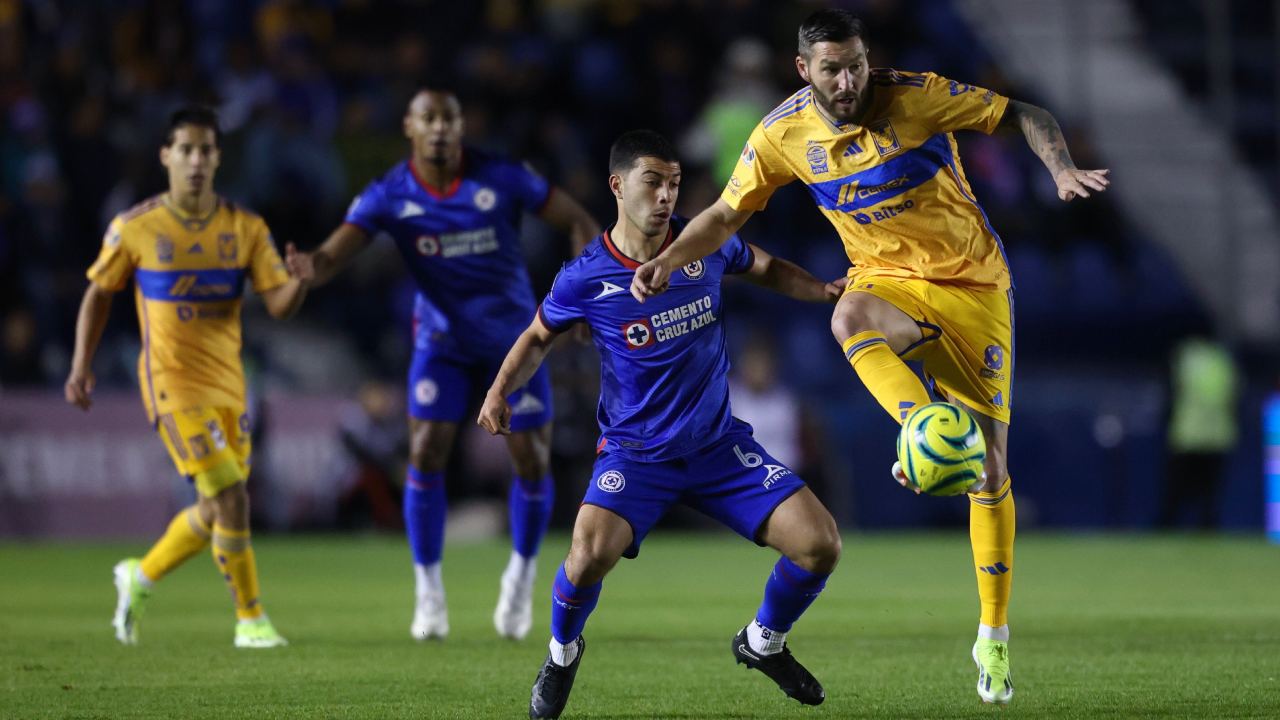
(1179, 98)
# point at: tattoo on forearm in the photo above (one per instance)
(1044, 136)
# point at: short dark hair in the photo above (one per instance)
(198, 115)
(829, 25)
(635, 144)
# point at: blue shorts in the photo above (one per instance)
(734, 481)
(441, 389)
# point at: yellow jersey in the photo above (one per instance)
(893, 186)
(188, 275)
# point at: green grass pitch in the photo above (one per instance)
(1104, 627)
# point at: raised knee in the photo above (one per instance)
(847, 321)
(821, 553)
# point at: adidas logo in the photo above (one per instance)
(195, 249)
(997, 569)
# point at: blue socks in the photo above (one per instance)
(789, 592)
(570, 607)
(530, 511)
(424, 509)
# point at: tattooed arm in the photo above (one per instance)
(1045, 138)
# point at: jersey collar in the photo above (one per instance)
(447, 192)
(625, 261)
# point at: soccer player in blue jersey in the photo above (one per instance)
(454, 214)
(929, 280)
(667, 432)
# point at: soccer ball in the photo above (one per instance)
(941, 449)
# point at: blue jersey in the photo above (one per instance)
(664, 388)
(462, 247)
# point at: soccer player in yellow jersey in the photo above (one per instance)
(929, 280)
(189, 252)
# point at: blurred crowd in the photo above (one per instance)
(311, 95)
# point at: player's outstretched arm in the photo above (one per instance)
(702, 236)
(787, 278)
(1045, 138)
(564, 213)
(95, 308)
(284, 300)
(521, 362)
(331, 257)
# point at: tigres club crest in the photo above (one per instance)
(694, 270)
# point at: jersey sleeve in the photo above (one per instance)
(561, 308)
(116, 261)
(738, 256)
(532, 189)
(365, 212)
(266, 269)
(761, 169)
(948, 105)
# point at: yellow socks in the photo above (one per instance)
(893, 384)
(186, 536)
(234, 556)
(991, 529)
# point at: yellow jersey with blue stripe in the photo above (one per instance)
(188, 275)
(893, 186)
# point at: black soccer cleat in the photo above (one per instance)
(781, 668)
(551, 689)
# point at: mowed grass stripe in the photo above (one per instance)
(1103, 627)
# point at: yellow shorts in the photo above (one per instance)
(967, 348)
(209, 445)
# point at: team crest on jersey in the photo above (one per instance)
(817, 157)
(227, 250)
(425, 391)
(485, 199)
(694, 270)
(748, 154)
(428, 245)
(638, 334)
(885, 138)
(611, 481)
(164, 249)
(994, 357)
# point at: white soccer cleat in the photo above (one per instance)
(430, 618)
(513, 616)
(131, 600)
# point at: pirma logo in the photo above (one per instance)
(611, 481)
(694, 270)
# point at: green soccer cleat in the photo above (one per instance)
(131, 600)
(995, 681)
(258, 633)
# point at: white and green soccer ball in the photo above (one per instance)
(941, 449)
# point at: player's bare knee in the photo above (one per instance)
(997, 472)
(231, 507)
(427, 457)
(589, 561)
(822, 553)
(531, 465)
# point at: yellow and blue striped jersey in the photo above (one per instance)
(893, 186)
(188, 275)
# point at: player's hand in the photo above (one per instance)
(651, 278)
(79, 388)
(299, 264)
(495, 415)
(1074, 181)
(835, 288)
(901, 478)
